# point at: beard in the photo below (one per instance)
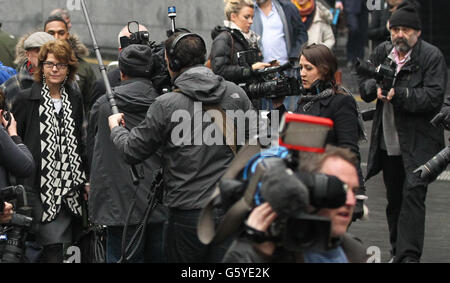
(402, 45)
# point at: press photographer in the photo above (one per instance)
(15, 161)
(315, 231)
(190, 170)
(235, 40)
(402, 137)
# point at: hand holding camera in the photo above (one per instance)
(8, 121)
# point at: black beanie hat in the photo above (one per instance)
(136, 61)
(406, 15)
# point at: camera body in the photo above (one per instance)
(12, 240)
(270, 82)
(136, 36)
(384, 74)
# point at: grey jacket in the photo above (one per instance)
(112, 189)
(190, 170)
(15, 158)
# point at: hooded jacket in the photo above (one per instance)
(112, 189)
(190, 168)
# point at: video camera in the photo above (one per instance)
(383, 74)
(14, 234)
(271, 82)
(136, 36)
(274, 176)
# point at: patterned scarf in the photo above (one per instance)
(61, 169)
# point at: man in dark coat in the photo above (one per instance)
(192, 165)
(112, 190)
(402, 136)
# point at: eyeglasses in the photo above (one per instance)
(59, 66)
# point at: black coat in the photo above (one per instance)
(341, 109)
(226, 44)
(419, 93)
(26, 112)
(112, 189)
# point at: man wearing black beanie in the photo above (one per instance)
(111, 185)
(402, 137)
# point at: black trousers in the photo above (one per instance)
(357, 35)
(405, 210)
(182, 243)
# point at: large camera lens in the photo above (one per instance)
(431, 170)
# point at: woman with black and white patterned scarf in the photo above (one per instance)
(49, 118)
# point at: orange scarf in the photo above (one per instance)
(305, 9)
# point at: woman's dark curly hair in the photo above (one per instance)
(62, 50)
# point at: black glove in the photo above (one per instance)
(442, 119)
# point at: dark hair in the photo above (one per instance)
(189, 51)
(323, 58)
(62, 50)
(55, 19)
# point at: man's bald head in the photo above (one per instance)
(125, 32)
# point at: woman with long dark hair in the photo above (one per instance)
(49, 117)
(323, 97)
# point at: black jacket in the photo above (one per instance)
(26, 112)
(419, 93)
(226, 44)
(15, 158)
(112, 189)
(191, 167)
(341, 109)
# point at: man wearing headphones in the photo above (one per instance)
(176, 123)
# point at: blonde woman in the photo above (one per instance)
(235, 36)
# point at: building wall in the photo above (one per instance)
(109, 16)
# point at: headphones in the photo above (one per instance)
(174, 63)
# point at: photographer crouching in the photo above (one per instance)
(254, 245)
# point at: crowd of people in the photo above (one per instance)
(61, 140)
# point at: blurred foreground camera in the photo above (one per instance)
(256, 176)
(14, 234)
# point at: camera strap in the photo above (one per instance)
(206, 228)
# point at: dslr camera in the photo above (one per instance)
(256, 176)
(271, 82)
(384, 74)
(14, 234)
